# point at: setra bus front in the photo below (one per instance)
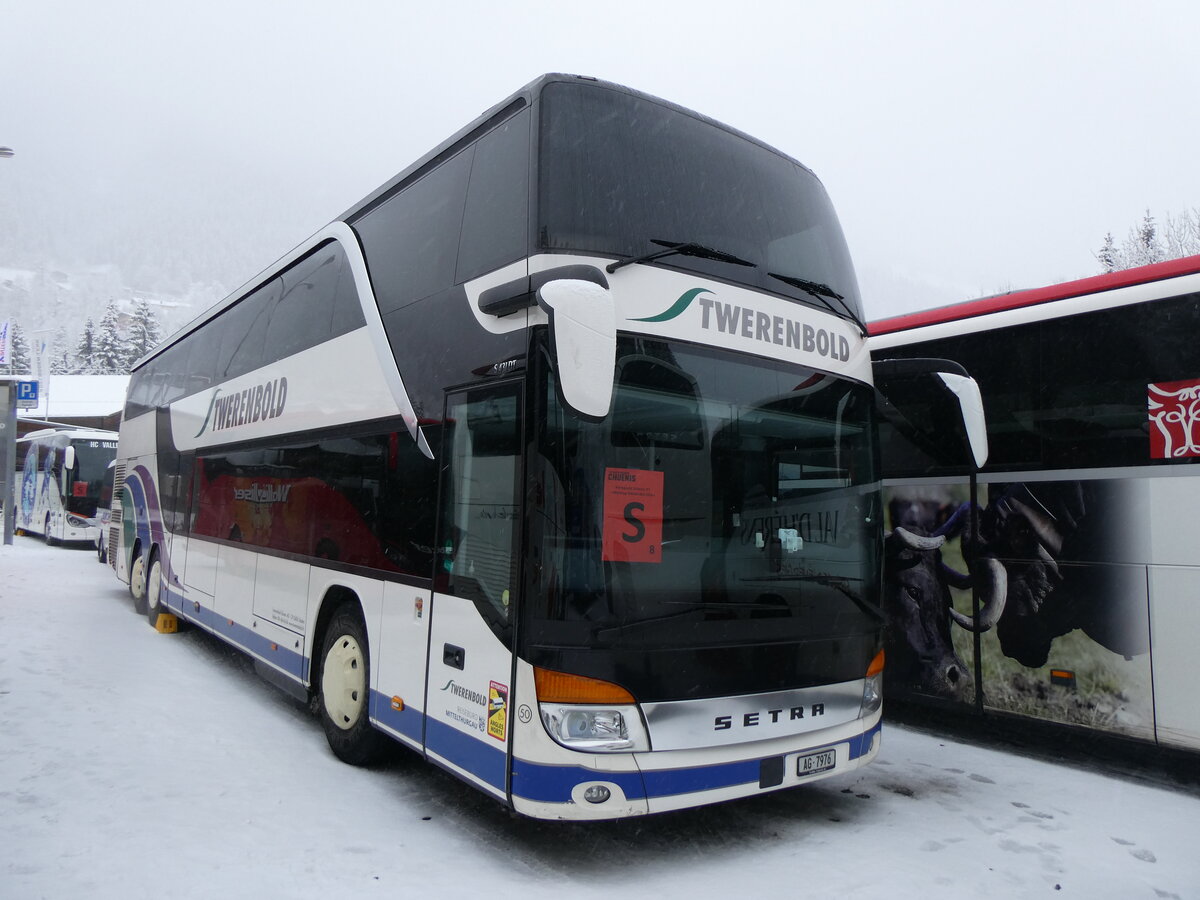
(666, 515)
(702, 596)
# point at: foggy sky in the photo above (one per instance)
(968, 148)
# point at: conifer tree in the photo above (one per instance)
(18, 348)
(1146, 243)
(110, 348)
(1110, 257)
(85, 350)
(1143, 247)
(144, 332)
(60, 355)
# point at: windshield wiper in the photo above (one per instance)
(684, 248)
(821, 292)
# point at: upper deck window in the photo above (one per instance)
(618, 171)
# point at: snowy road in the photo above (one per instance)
(134, 764)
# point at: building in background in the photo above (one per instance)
(86, 401)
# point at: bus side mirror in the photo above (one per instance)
(970, 404)
(583, 339)
(69, 459)
(935, 405)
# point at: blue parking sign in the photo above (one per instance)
(27, 394)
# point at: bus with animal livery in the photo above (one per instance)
(1083, 556)
(63, 477)
(553, 459)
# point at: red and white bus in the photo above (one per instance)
(1083, 552)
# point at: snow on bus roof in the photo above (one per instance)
(1172, 268)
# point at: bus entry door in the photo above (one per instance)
(476, 571)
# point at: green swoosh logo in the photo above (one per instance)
(211, 404)
(677, 308)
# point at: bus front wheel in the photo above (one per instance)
(46, 534)
(345, 687)
(137, 583)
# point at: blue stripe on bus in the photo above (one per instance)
(472, 754)
(407, 721)
(538, 782)
(553, 784)
(247, 639)
(148, 527)
(140, 512)
(861, 744)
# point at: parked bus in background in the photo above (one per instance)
(1084, 553)
(63, 478)
(553, 459)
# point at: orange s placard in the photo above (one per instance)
(633, 513)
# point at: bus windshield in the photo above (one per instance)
(92, 478)
(722, 515)
(625, 175)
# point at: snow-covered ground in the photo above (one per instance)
(134, 764)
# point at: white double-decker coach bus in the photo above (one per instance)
(63, 477)
(553, 459)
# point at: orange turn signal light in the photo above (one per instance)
(559, 687)
(876, 665)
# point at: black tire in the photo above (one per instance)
(101, 551)
(154, 604)
(46, 534)
(345, 689)
(137, 582)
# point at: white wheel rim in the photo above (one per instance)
(137, 578)
(343, 682)
(152, 588)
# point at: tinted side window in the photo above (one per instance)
(496, 225)
(411, 240)
(362, 501)
(141, 386)
(478, 543)
(243, 332)
(1072, 392)
(302, 317)
(1095, 370)
(347, 308)
(169, 364)
(195, 372)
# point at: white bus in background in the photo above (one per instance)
(1088, 502)
(64, 477)
(553, 459)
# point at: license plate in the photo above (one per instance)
(812, 763)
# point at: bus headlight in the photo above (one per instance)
(872, 698)
(76, 522)
(589, 714)
(595, 728)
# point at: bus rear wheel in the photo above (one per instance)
(137, 583)
(154, 604)
(345, 687)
